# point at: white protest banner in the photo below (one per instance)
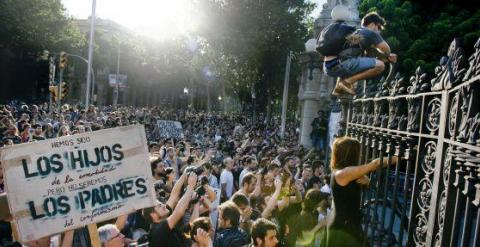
(122, 80)
(72, 181)
(169, 129)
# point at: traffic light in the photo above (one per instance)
(53, 92)
(62, 60)
(63, 90)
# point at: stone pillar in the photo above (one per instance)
(308, 95)
(314, 94)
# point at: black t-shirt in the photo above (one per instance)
(162, 236)
(368, 38)
(319, 127)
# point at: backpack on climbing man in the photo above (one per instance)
(333, 38)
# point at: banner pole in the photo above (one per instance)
(94, 237)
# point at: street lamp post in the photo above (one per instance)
(185, 92)
(90, 52)
(310, 101)
(117, 88)
(310, 48)
(285, 95)
(90, 66)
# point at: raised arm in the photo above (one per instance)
(182, 205)
(210, 193)
(286, 199)
(284, 203)
(273, 200)
(175, 194)
(121, 221)
(206, 205)
(195, 212)
(348, 174)
(383, 47)
(298, 196)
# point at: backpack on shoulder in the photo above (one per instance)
(333, 38)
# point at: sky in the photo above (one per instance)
(158, 17)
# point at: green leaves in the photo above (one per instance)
(421, 34)
(37, 25)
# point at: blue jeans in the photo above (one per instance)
(318, 142)
(350, 67)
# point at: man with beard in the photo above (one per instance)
(160, 176)
(248, 186)
(158, 169)
(264, 233)
(229, 221)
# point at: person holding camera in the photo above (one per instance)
(163, 231)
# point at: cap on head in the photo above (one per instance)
(340, 13)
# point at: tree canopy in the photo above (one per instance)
(421, 31)
(37, 25)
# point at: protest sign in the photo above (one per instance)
(114, 78)
(72, 181)
(169, 129)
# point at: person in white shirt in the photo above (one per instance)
(226, 178)
(326, 185)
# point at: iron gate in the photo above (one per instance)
(432, 198)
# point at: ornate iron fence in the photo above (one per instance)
(432, 198)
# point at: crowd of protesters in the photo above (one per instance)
(272, 191)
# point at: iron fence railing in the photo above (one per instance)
(432, 198)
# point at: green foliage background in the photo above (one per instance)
(421, 31)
